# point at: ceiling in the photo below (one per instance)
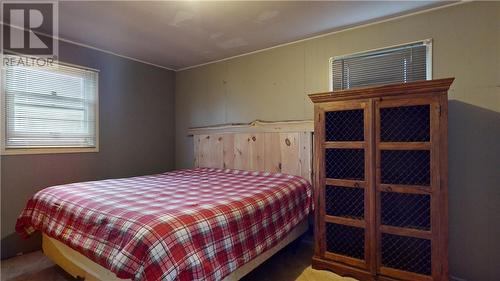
(181, 34)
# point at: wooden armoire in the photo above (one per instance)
(380, 161)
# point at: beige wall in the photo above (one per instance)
(273, 84)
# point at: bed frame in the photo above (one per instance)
(263, 146)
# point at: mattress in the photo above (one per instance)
(195, 224)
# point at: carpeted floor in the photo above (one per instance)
(291, 263)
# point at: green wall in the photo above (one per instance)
(273, 85)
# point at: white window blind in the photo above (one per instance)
(50, 106)
(406, 63)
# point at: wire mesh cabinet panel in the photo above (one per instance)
(345, 203)
(407, 149)
(380, 181)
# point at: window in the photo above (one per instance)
(400, 64)
(49, 109)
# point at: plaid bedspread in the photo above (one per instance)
(197, 224)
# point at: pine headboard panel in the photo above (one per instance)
(284, 146)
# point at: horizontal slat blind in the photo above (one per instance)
(50, 106)
(393, 65)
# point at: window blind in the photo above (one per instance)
(50, 106)
(400, 64)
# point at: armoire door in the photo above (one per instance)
(407, 187)
(346, 199)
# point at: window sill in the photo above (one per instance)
(48, 150)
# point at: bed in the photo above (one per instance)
(248, 197)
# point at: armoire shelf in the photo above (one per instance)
(381, 181)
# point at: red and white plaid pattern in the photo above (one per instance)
(199, 224)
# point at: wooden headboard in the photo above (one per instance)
(261, 146)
